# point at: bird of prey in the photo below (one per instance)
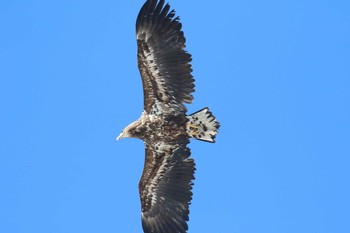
(168, 174)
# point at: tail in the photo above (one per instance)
(202, 125)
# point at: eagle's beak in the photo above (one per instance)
(120, 135)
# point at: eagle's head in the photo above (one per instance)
(131, 131)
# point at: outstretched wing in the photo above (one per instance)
(162, 61)
(165, 188)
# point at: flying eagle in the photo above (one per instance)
(164, 64)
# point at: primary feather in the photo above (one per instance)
(163, 62)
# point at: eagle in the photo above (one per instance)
(165, 187)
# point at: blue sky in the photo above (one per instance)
(275, 73)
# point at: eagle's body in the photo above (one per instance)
(152, 128)
(164, 126)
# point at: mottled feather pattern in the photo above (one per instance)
(164, 64)
(166, 183)
(166, 195)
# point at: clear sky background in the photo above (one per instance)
(275, 73)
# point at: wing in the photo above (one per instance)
(165, 188)
(162, 61)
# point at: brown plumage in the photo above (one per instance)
(166, 183)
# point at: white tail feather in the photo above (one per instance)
(202, 125)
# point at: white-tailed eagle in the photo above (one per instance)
(164, 64)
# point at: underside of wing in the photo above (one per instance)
(162, 60)
(165, 188)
